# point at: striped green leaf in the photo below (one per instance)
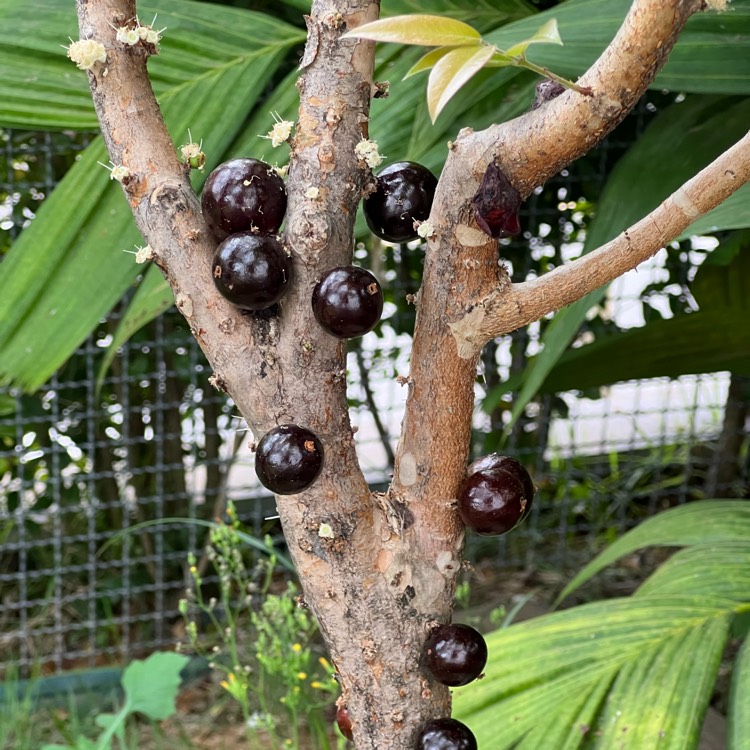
(647, 664)
(40, 88)
(704, 522)
(738, 720)
(78, 238)
(711, 569)
(637, 672)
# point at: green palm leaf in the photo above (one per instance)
(634, 649)
(712, 55)
(738, 724)
(704, 522)
(41, 88)
(638, 671)
(77, 240)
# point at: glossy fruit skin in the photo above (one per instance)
(455, 654)
(345, 722)
(242, 195)
(347, 301)
(491, 502)
(404, 193)
(508, 463)
(288, 459)
(251, 270)
(445, 734)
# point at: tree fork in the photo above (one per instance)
(376, 569)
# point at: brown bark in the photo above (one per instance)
(389, 570)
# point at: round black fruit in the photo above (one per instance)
(404, 194)
(288, 459)
(491, 502)
(455, 654)
(347, 301)
(445, 734)
(251, 270)
(508, 463)
(243, 195)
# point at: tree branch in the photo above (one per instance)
(512, 306)
(461, 261)
(534, 147)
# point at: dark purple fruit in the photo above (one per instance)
(496, 204)
(455, 654)
(347, 301)
(404, 194)
(243, 195)
(288, 459)
(445, 734)
(345, 722)
(251, 270)
(491, 502)
(508, 463)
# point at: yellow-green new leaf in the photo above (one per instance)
(428, 61)
(547, 34)
(451, 72)
(419, 29)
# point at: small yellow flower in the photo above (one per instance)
(325, 664)
(296, 648)
(301, 675)
(317, 685)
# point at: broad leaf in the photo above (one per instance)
(151, 685)
(419, 29)
(451, 72)
(738, 719)
(635, 651)
(546, 34)
(660, 699)
(707, 569)
(679, 142)
(640, 670)
(428, 60)
(703, 522)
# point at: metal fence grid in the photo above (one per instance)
(157, 442)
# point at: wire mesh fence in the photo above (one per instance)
(83, 463)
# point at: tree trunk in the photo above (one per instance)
(378, 570)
